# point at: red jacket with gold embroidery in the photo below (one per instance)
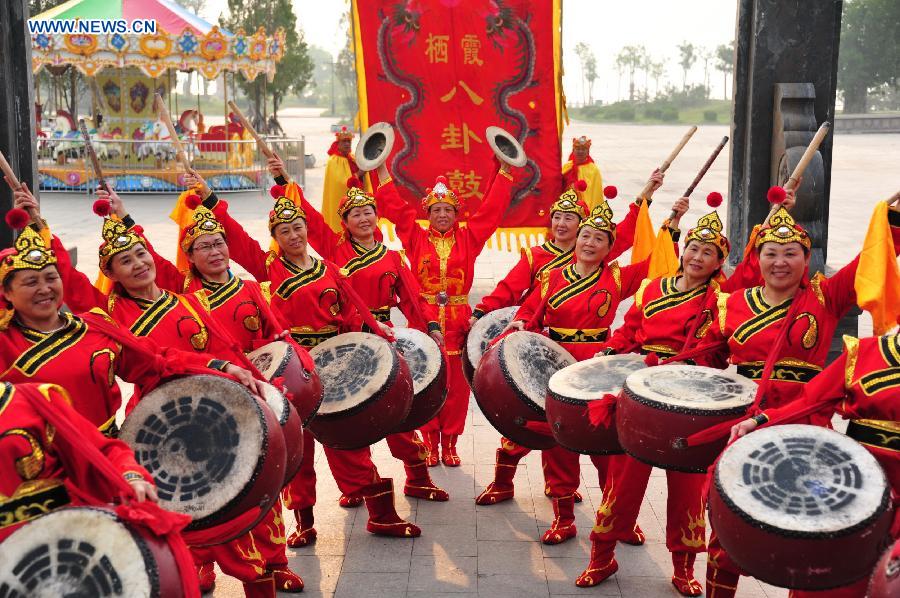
(577, 312)
(32, 471)
(445, 262)
(516, 285)
(85, 361)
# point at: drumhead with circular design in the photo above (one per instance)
(691, 388)
(76, 551)
(353, 368)
(422, 355)
(802, 480)
(271, 359)
(277, 402)
(201, 438)
(487, 328)
(593, 378)
(529, 360)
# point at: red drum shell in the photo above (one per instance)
(427, 403)
(291, 427)
(280, 359)
(885, 581)
(486, 329)
(801, 560)
(504, 405)
(159, 563)
(654, 432)
(267, 477)
(572, 429)
(374, 417)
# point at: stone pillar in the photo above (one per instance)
(785, 80)
(17, 140)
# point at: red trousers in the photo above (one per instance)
(451, 421)
(353, 470)
(562, 471)
(240, 558)
(624, 491)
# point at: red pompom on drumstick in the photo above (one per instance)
(102, 207)
(776, 194)
(17, 218)
(652, 359)
(714, 199)
(277, 191)
(581, 185)
(440, 179)
(354, 182)
(610, 192)
(192, 201)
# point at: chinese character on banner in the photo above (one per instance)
(437, 48)
(467, 184)
(456, 138)
(471, 46)
(474, 97)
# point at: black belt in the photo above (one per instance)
(780, 373)
(665, 354)
(579, 336)
(871, 433)
(26, 504)
(311, 339)
(382, 315)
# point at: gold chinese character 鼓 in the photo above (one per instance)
(467, 184)
(455, 138)
(471, 46)
(437, 48)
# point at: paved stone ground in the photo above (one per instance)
(494, 551)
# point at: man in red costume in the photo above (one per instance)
(443, 260)
(341, 166)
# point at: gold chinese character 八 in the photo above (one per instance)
(467, 184)
(471, 46)
(473, 97)
(437, 48)
(456, 138)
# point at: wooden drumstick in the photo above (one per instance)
(15, 185)
(92, 155)
(263, 146)
(646, 192)
(807, 157)
(703, 171)
(163, 113)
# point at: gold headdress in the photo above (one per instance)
(116, 238)
(709, 227)
(600, 218)
(356, 197)
(28, 253)
(285, 210)
(782, 229)
(581, 142)
(204, 223)
(440, 193)
(569, 201)
(344, 134)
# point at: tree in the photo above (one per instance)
(295, 69)
(657, 70)
(345, 68)
(195, 6)
(588, 71)
(725, 64)
(630, 59)
(688, 58)
(706, 55)
(869, 50)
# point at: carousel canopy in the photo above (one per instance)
(182, 41)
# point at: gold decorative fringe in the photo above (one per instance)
(504, 239)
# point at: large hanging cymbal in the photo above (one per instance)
(506, 147)
(374, 146)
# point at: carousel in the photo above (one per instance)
(122, 73)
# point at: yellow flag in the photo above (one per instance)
(334, 188)
(663, 261)
(102, 283)
(644, 239)
(181, 215)
(877, 281)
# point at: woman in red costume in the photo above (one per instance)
(575, 307)
(443, 260)
(862, 385)
(749, 329)
(566, 215)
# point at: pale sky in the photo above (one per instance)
(605, 25)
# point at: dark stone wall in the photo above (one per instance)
(16, 105)
(779, 42)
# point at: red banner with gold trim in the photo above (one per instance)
(441, 71)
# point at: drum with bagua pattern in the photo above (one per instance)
(801, 507)
(429, 376)
(214, 450)
(291, 427)
(487, 328)
(661, 406)
(86, 551)
(294, 365)
(510, 386)
(573, 388)
(368, 389)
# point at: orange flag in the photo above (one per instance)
(663, 261)
(644, 239)
(181, 215)
(877, 281)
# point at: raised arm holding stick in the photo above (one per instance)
(166, 119)
(13, 181)
(650, 187)
(263, 146)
